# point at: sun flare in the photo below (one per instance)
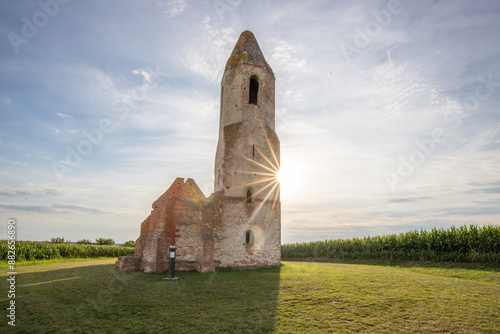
(275, 180)
(288, 176)
(280, 176)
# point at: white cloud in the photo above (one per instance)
(174, 7)
(145, 74)
(283, 57)
(63, 116)
(493, 134)
(19, 163)
(30, 190)
(53, 208)
(341, 124)
(92, 89)
(207, 56)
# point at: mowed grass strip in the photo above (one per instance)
(343, 298)
(298, 297)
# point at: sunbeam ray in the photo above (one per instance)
(261, 204)
(270, 147)
(269, 161)
(252, 183)
(255, 162)
(256, 173)
(261, 190)
(276, 196)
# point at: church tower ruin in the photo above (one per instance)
(247, 159)
(239, 225)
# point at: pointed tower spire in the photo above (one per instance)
(247, 51)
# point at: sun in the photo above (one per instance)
(281, 176)
(289, 177)
(276, 180)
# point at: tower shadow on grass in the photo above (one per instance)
(98, 298)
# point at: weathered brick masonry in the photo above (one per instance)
(239, 225)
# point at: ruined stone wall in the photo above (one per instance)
(236, 109)
(263, 223)
(129, 263)
(182, 205)
(251, 161)
(247, 161)
(188, 190)
(240, 224)
(235, 95)
(190, 221)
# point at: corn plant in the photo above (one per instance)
(35, 250)
(464, 244)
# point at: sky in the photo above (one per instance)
(387, 111)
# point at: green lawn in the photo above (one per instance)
(298, 297)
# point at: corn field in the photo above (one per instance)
(34, 250)
(464, 244)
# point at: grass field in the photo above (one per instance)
(298, 297)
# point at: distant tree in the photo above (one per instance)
(130, 243)
(102, 241)
(58, 240)
(84, 242)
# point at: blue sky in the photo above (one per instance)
(387, 111)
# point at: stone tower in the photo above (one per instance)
(247, 158)
(239, 225)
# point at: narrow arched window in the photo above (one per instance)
(254, 89)
(253, 151)
(247, 237)
(249, 196)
